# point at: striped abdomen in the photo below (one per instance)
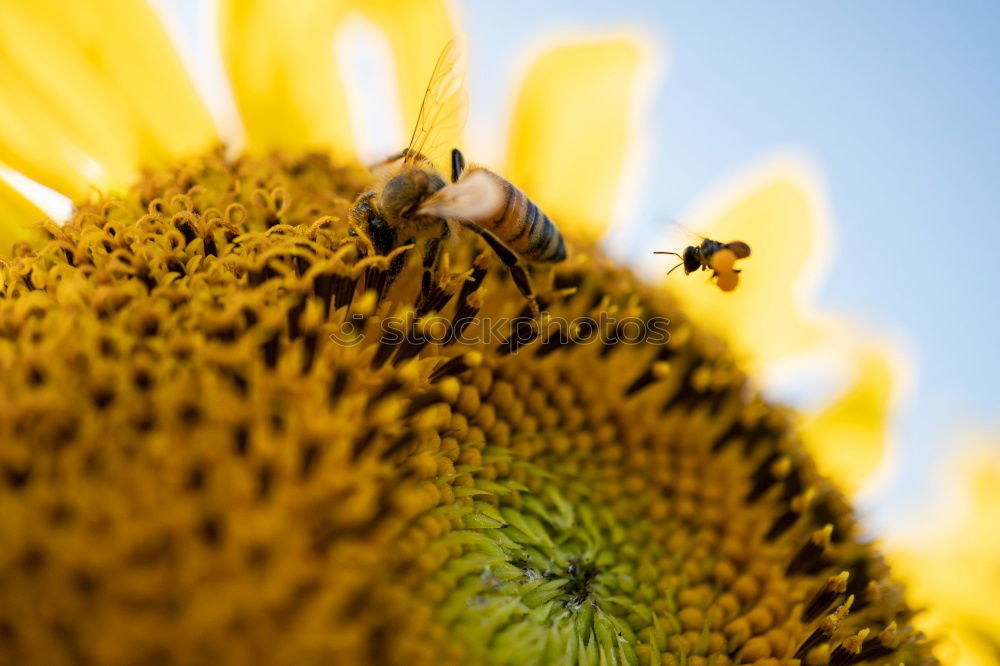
(522, 226)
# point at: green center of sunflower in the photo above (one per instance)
(228, 436)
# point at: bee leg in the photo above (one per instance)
(457, 164)
(366, 228)
(430, 292)
(431, 251)
(517, 272)
(361, 215)
(383, 239)
(382, 235)
(397, 263)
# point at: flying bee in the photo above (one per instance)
(715, 256)
(412, 201)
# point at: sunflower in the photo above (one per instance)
(229, 432)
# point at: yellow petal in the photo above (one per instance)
(570, 131)
(417, 30)
(953, 566)
(288, 90)
(91, 91)
(17, 217)
(848, 438)
(777, 210)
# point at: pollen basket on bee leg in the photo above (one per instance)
(727, 281)
(723, 260)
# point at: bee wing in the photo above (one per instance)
(739, 248)
(444, 109)
(388, 165)
(686, 229)
(475, 198)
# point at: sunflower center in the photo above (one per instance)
(227, 431)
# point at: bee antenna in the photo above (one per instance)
(676, 255)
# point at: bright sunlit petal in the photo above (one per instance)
(418, 31)
(951, 565)
(570, 131)
(93, 82)
(17, 215)
(364, 60)
(848, 437)
(285, 78)
(56, 206)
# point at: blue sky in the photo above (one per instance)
(896, 102)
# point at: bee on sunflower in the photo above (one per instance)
(196, 468)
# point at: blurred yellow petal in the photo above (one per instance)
(90, 91)
(280, 62)
(17, 217)
(279, 56)
(778, 212)
(953, 568)
(570, 129)
(849, 436)
(417, 31)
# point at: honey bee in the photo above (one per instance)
(411, 200)
(716, 256)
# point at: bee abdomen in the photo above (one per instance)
(525, 229)
(543, 240)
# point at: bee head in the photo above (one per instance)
(404, 192)
(692, 259)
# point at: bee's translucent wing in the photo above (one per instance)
(687, 230)
(477, 197)
(389, 164)
(444, 109)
